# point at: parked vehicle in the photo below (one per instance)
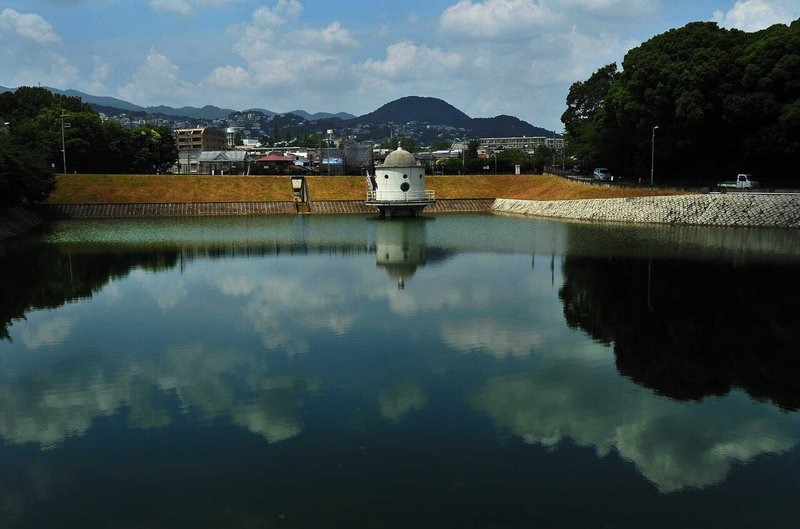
(743, 181)
(602, 173)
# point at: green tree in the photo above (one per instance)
(584, 119)
(24, 175)
(408, 144)
(91, 145)
(724, 101)
(313, 140)
(505, 161)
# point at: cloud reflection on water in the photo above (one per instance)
(248, 340)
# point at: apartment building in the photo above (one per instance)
(201, 139)
(525, 143)
(192, 143)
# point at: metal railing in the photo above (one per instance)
(399, 196)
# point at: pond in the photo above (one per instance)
(345, 371)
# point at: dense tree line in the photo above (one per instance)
(724, 101)
(31, 144)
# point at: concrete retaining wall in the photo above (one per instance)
(191, 209)
(740, 209)
(210, 209)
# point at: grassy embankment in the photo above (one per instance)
(129, 189)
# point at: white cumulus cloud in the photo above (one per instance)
(494, 18)
(100, 72)
(286, 58)
(229, 77)
(157, 80)
(333, 36)
(184, 7)
(754, 15)
(407, 60)
(28, 26)
(283, 12)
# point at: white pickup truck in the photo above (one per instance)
(743, 181)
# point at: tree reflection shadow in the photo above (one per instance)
(690, 329)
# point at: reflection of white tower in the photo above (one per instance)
(400, 248)
(398, 186)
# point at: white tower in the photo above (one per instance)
(397, 188)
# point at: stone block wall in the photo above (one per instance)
(729, 209)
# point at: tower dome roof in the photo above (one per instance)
(400, 158)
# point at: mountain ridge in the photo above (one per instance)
(434, 110)
(405, 109)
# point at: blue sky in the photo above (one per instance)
(487, 57)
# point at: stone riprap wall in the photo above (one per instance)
(729, 209)
(461, 205)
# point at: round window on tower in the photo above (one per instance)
(405, 186)
(386, 176)
(405, 176)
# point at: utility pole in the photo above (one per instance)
(63, 145)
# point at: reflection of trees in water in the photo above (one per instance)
(45, 277)
(692, 329)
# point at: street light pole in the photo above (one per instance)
(652, 154)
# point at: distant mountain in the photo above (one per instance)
(207, 112)
(105, 104)
(414, 108)
(105, 101)
(411, 108)
(500, 126)
(433, 110)
(262, 110)
(321, 115)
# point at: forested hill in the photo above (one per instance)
(414, 108)
(439, 112)
(702, 100)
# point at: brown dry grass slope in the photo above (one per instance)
(129, 189)
(132, 189)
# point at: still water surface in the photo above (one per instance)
(343, 371)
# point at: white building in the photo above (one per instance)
(397, 188)
(528, 144)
